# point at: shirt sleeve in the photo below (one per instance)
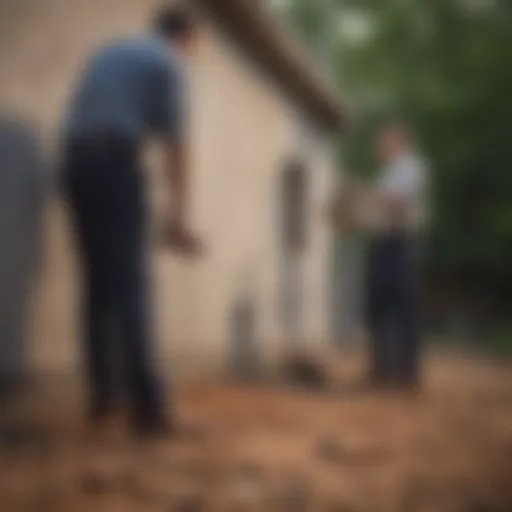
(171, 102)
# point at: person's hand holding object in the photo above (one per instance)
(181, 240)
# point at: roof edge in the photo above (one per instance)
(251, 25)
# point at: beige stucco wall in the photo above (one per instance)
(242, 130)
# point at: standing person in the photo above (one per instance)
(132, 89)
(398, 208)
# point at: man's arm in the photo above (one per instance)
(173, 129)
(177, 172)
(178, 235)
(393, 206)
(170, 126)
(360, 206)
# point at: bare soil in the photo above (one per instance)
(271, 448)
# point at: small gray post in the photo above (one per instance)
(245, 359)
(348, 289)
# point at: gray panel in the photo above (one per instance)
(21, 212)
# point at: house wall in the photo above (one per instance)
(242, 131)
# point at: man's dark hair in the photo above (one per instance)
(174, 21)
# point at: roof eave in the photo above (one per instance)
(258, 32)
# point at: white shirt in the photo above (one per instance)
(406, 178)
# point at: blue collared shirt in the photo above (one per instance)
(132, 87)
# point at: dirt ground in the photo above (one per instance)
(272, 448)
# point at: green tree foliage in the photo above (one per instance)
(444, 66)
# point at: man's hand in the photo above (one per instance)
(182, 241)
(344, 211)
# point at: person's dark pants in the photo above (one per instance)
(393, 309)
(104, 188)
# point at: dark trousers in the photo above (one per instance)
(105, 192)
(393, 309)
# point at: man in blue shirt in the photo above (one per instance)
(131, 90)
